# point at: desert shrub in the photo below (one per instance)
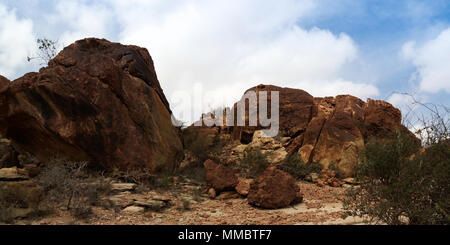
(402, 184)
(293, 165)
(70, 184)
(253, 163)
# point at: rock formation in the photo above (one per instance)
(97, 101)
(329, 131)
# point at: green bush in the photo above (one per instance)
(253, 163)
(293, 165)
(402, 184)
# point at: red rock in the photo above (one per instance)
(243, 187)
(219, 177)
(97, 101)
(274, 189)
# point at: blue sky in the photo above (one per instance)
(218, 49)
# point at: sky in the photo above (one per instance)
(215, 50)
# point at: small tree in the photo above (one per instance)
(48, 49)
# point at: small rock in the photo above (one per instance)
(243, 186)
(134, 209)
(228, 195)
(212, 193)
(151, 204)
(350, 181)
(13, 174)
(121, 187)
(314, 177)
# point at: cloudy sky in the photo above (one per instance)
(218, 49)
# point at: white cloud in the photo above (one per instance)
(229, 46)
(432, 61)
(16, 42)
(81, 19)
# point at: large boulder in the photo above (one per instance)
(274, 189)
(97, 101)
(219, 177)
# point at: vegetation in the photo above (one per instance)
(48, 49)
(293, 165)
(402, 182)
(69, 184)
(253, 163)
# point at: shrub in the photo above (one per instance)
(254, 162)
(293, 165)
(70, 184)
(402, 184)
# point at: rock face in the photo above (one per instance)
(220, 177)
(97, 101)
(330, 130)
(274, 189)
(8, 155)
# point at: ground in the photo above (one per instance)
(321, 205)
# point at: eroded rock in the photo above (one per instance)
(274, 189)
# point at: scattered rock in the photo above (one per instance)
(219, 177)
(134, 209)
(150, 204)
(243, 187)
(226, 195)
(274, 189)
(350, 181)
(212, 193)
(13, 174)
(121, 187)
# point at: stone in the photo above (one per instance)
(96, 101)
(243, 187)
(226, 195)
(13, 174)
(134, 209)
(121, 187)
(219, 177)
(212, 193)
(150, 204)
(274, 189)
(350, 181)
